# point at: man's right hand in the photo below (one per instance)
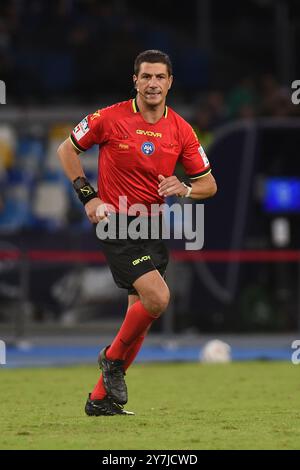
(96, 210)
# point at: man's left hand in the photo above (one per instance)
(170, 186)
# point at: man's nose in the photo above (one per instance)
(153, 82)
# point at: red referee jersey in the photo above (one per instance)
(133, 152)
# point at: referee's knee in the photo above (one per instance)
(157, 301)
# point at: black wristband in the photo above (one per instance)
(84, 190)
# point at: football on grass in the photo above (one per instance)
(216, 351)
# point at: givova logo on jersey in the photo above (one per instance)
(148, 148)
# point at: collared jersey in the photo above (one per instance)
(133, 152)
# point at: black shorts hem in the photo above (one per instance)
(128, 260)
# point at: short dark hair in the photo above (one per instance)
(153, 56)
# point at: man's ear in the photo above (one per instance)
(134, 81)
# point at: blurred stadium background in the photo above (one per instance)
(234, 63)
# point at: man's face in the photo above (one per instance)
(153, 83)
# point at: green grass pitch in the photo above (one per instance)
(250, 405)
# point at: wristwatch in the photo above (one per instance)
(189, 189)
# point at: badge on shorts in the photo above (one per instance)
(148, 148)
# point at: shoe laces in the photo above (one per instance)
(117, 405)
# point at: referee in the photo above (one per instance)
(140, 141)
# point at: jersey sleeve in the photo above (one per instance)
(90, 131)
(193, 157)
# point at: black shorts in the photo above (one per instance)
(129, 259)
